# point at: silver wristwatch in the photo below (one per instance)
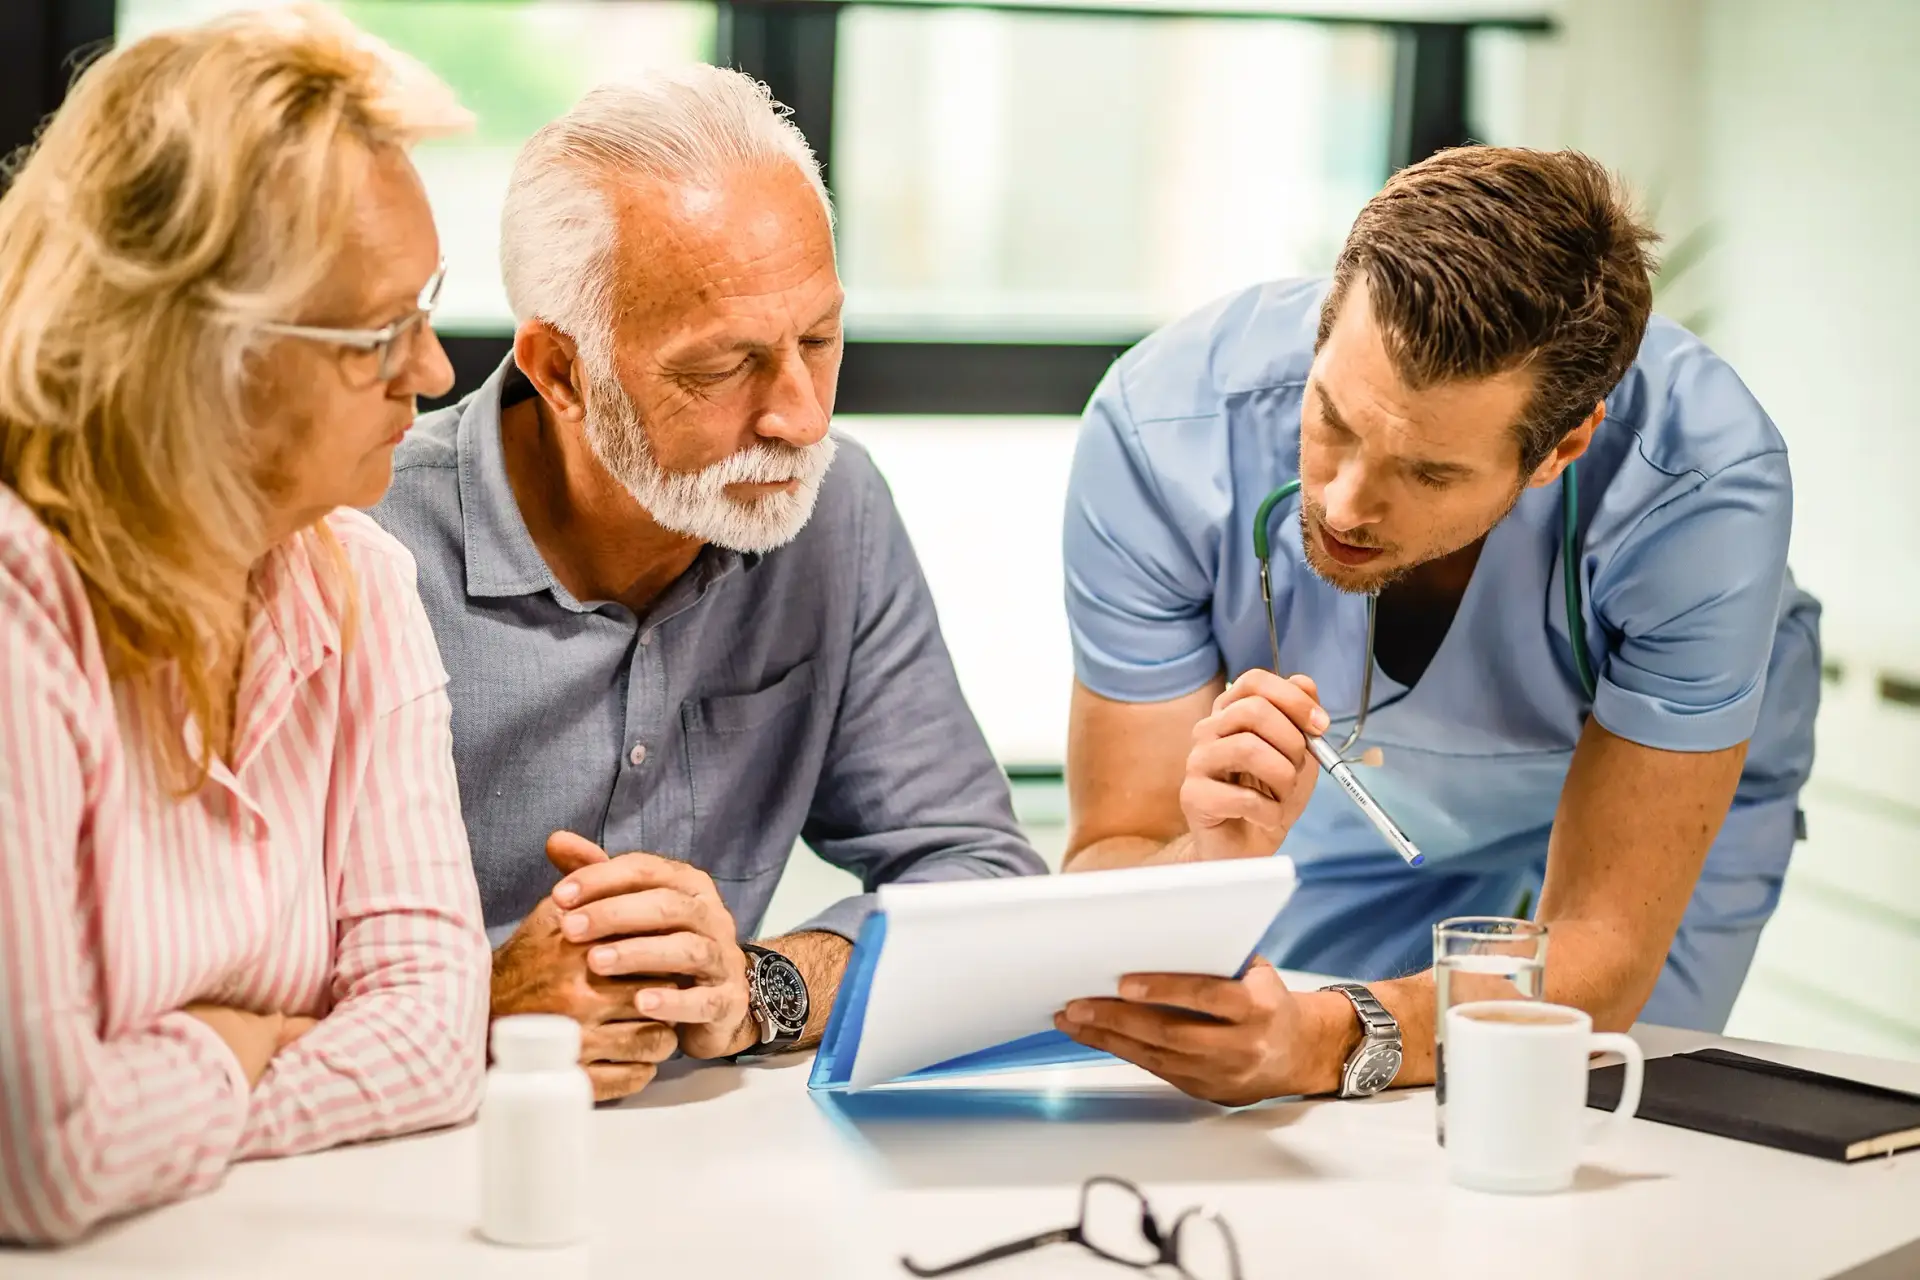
(1372, 1066)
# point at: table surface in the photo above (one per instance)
(727, 1171)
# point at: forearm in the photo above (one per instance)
(1603, 967)
(1631, 832)
(403, 1049)
(403, 1046)
(821, 958)
(1116, 852)
(389, 1062)
(91, 1124)
(95, 1129)
(1411, 1002)
(1596, 967)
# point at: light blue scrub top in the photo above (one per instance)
(1697, 633)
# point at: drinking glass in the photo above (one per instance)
(1479, 958)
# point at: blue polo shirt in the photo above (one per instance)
(1695, 630)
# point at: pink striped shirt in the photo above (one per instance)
(325, 874)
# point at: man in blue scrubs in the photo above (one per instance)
(1486, 328)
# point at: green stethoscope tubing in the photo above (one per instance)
(1569, 574)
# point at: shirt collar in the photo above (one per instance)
(502, 559)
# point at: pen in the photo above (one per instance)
(1342, 772)
(1331, 760)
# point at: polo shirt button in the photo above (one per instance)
(646, 637)
(638, 755)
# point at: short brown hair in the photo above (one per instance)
(1480, 260)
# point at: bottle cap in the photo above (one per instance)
(535, 1042)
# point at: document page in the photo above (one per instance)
(970, 964)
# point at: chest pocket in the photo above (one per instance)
(751, 773)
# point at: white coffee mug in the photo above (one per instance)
(1517, 1092)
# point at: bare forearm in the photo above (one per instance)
(1410, 1000)
(1632, 830)
(821, 958)
(1604, 968)
(1128, 851)
(1594, 967)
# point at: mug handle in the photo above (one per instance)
(1627, 1047)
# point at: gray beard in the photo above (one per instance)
(696, 503)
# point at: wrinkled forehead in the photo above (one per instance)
(687, 253)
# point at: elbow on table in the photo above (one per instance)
(48, 1198)
(454, 1095)
(44, 1233)
(440, 1037)
(461, 1097)
(431, 1080)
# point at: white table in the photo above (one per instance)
(737, 1171)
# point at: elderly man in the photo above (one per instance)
(684, 624)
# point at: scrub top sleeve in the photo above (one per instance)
(1137, 594)
(1690, 606)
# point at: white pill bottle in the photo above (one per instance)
(534, 1155)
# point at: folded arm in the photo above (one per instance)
(403, 1046)
(91, 1125)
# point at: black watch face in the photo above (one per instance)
(1376, 1069)
(783, 992)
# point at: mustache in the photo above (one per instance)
(772, 462)
(1358, 538)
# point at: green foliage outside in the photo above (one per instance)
(502, 57)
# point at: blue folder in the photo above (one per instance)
(833, 1064)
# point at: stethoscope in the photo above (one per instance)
(1569, 572)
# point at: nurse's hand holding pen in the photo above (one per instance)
(1233, 1041)
(1249, 774)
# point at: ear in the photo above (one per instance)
(551, 361)
(1569, 449)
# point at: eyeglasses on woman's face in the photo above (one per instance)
(385, 350)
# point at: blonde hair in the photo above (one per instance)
(195, 184)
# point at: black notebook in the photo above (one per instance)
(1752, 1100)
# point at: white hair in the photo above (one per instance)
(691, 124)
(697, 503)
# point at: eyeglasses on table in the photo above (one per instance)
(1117, 1223)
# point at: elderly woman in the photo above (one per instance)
(237, 916)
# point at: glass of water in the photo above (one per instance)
(1480, 958)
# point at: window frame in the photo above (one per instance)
(792, 45)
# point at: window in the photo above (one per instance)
(516, 64)
(1033, 179)
(1008, 175)
(1090, 177)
